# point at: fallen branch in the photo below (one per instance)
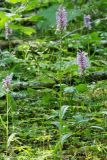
(13, 43)
(35, 85)
(96, 76)
(6, 44)
(92, 77)
(17, 87)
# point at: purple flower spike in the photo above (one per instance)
(87, 21)
(7, 82)
(61, 18)
(8, 31)
(82, 61)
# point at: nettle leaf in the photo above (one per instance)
(26, 30)
(69, 90)
(63, 110)
(11, 138)
(16, 1)
(57, 124)
(78, 117)
(35, 18)
(8, 60)
(24, 47)
(97, 127)
(65, 137)
(91, 38)
(82, 88)
(54, 114)
(104, 112)
(3, 19)
(32, 4)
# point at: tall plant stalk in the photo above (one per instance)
(62, 110)
(6, 86)
(61, 24)
(7, 128)
(60, 105)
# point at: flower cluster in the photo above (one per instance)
(7, 82)
(82, 61)
(8, 31)
(87, 21)
(61, 18)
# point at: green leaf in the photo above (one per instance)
(82, 88)
(24, 47)
(8, 60)
(26, 30)
(97, 127)
(2, 92)
(72, 14)
(16, 1)
(11, 138)
(54, 114)
(69, 90)
(11, 102)
(49, 16)
(104, 112)
(35, 18)
(78, 117)
(65, 137)
(3, 19)
(63, 110)
(3, 123)
(60, 1)
(32, 4)
(57, 124)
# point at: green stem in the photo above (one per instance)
(60, 105)
(9, 42)
(13, 128)
(61, 146)
(88, 44)
(7, 129)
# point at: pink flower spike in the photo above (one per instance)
(7, 82)
(61, 18)
(82, 61)
(87, 21)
